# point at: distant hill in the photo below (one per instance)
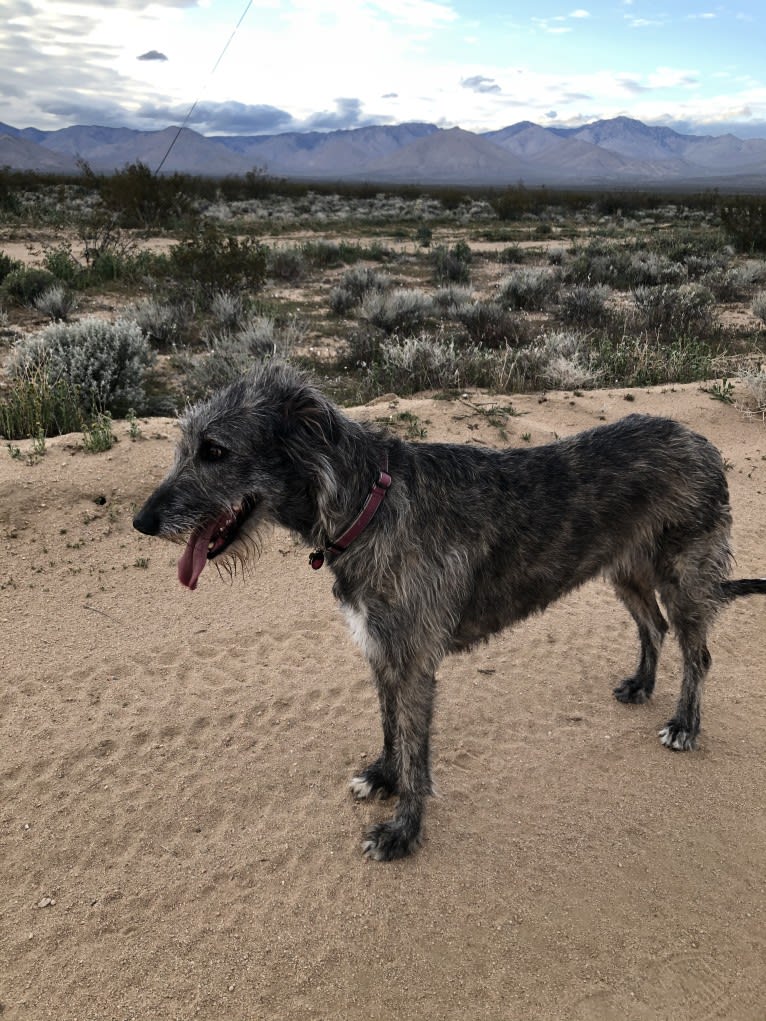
(608, 153)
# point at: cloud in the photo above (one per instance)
(579, 13)
(347, 114)
(478, 83)
(152, 55)
(228, 118)
(632, 85)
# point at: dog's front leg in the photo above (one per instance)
(406, 696)
(379, 779)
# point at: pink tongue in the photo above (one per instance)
(194, 557)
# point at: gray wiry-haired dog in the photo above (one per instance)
(463, 542)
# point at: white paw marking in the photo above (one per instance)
(360, 787)
(682, 742)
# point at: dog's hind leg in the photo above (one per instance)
(680, 732)
(638, 596)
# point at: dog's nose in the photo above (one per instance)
(147, 521)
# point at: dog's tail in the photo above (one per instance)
(743, 587)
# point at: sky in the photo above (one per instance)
(270, 66)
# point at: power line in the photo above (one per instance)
(196, 101)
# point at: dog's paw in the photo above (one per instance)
(373, 782)
(631, 692)
(389, 841)
(674, 736)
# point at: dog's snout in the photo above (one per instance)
(147, 520)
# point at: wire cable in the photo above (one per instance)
(196, 101)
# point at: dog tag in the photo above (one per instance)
(316, 559)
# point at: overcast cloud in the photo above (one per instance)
(302, 64)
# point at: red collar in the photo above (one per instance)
(361, 521)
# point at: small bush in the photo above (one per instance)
(139, 198)
(353, 285)
(489, 324)
(531, 289)
(583, 304)
(105, 363)
(287, 264)
(229, 356)
(674, 310)
(8, 265)
(755, 384)
(398, 310)
(759, 306)
(453, 298)
(97, 435)
(159, 320)
(567, 361)
(452, 265)
(56, 302)
(211, 261)
(63, 265)
(227, 310)
(23, 285)
(32, 405)
(645, 361)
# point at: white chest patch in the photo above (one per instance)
(357, 625)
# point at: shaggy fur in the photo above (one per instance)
(467, 541)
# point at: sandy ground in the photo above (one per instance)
(177, 839)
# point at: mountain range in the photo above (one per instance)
(618, 151)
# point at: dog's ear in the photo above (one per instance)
(307, 413)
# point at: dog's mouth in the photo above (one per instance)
(209, 541)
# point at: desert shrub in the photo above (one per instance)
(227, 310)
(452, 265)
(452, 298)
(698, 265)
(530, 289)
(159, 320)
(647, 361)
(511, 254)
(651, 269)
(329, 254)
(287, 264)
(227, 357)
(22, 286)
(397, 310)
(599, 262)
(33, 405)
(97, 434)
(584, 304)
(353, 285)
(744, 221)
(431, 363)
(63, 265)
(105, 363)
(759, 306)
(489, 324)
(56, 302)
(139, 198)
(210, 261)
(567, 362)
(8, 265)
(755, 385)
(674, 310)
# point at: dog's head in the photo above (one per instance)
(252, 453)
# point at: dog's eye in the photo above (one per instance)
(209, 451)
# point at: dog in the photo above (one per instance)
(435, 547)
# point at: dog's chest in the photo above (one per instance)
(356, 618)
